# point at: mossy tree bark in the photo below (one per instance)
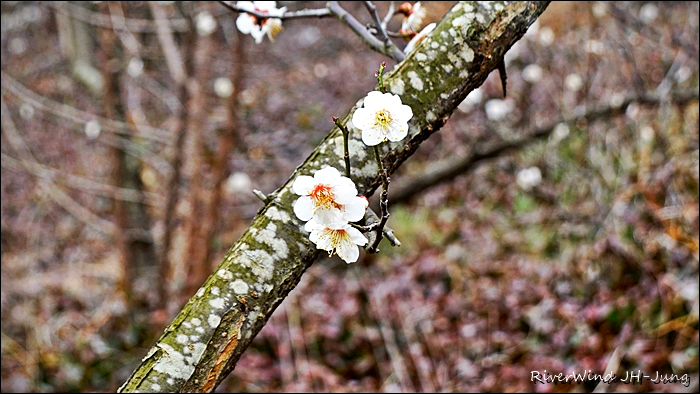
(204, 342)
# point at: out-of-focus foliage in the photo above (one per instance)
(598, 257)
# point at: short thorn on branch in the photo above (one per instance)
(261, 196)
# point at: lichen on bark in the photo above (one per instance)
(209, 335)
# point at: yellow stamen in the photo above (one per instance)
(382, 118)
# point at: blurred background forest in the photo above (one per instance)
(554, 229)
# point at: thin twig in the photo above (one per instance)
(378, 23)
(306, 13)
(389, 14)
(75, 115)
(104, 20)
(60, 197)
(364, 34)
(383, 202)
(82, 184)
(373, 219)
(173, 59)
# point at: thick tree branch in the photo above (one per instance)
(204, 342)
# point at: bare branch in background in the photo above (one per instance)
(385, 47)
(80, 117)
(180, 72)
(456, 166)
(80, 183)
(364, 34)
(389, 14)
(105, 20)
(378, 23)
(167, 43)
(59, 196)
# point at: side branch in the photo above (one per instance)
(392, 51)
(378, 23)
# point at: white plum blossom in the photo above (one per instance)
(223, 87)
(259, 27)
(340, 238)
(328, 198)
(383, 118)
(92, 129)
(532, 73)
(413, 16)
(206, 24)
(497, 109)
(418, 38)
(529, 178)
(573, 82)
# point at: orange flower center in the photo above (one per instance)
(323, 197)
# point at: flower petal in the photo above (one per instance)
(362, 118)
(312, 225)
(328, 217)
(304, 208)
(355, 210)
(403, 113)
(375, 101)
(245, 23)
(372, 136)
(303, 184)
(327, 176)
(257, 33)
(397, 132)
(265, 5)
(347, 251)
(356, 236)
(344, 191)
(392, 102)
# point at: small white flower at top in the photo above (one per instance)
(328, 198)
(259, 27)
(384, 117)
(413, 16)
(339, 238)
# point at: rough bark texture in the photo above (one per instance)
(204, 342)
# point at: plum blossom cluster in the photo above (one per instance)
(328, 203)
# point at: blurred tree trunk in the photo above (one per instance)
(183, 87)
(136, 244)
(228, 141)
(204, 342)
(200, 185)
